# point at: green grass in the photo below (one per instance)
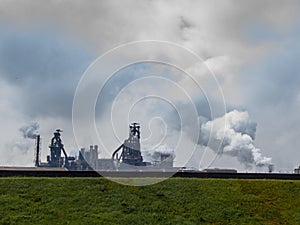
(173, 201)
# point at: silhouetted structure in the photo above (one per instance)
(127, 156)
(55, 159)
(38, 151)
(130, 150)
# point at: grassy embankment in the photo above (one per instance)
(174, 201)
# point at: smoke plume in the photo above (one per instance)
(238, 133)
(30, 130)
(155, 155)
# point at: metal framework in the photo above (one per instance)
(56, 147)
(131, 148)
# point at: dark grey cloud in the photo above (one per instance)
(45, 69)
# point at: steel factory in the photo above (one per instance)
(127, 156)
(126, 161)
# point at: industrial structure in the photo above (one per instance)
(127, 156)
(88, 159)
(126, 161)
(37, 153)
(130, 150)
(55, 158)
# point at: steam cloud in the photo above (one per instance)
(30, 130)
(156, 154)
(239, 134)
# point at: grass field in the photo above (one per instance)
(174, 201)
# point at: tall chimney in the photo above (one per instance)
(37, 153)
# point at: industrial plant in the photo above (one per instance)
(127, 156)
(125, 161)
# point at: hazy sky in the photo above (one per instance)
(251, 46)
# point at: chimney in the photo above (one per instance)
(37, 153)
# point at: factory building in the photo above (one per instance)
(105, 164)
(89, 157)
(127, 156)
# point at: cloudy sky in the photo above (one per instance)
(251, 47)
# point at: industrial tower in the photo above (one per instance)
(131, 148)
(56, 147)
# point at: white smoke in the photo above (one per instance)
(155, 155)
(30, 130)
(20, 149)
(238, 132)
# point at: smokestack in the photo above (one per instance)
(96, 152)
(37, 153)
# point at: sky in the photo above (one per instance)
(250, 48)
